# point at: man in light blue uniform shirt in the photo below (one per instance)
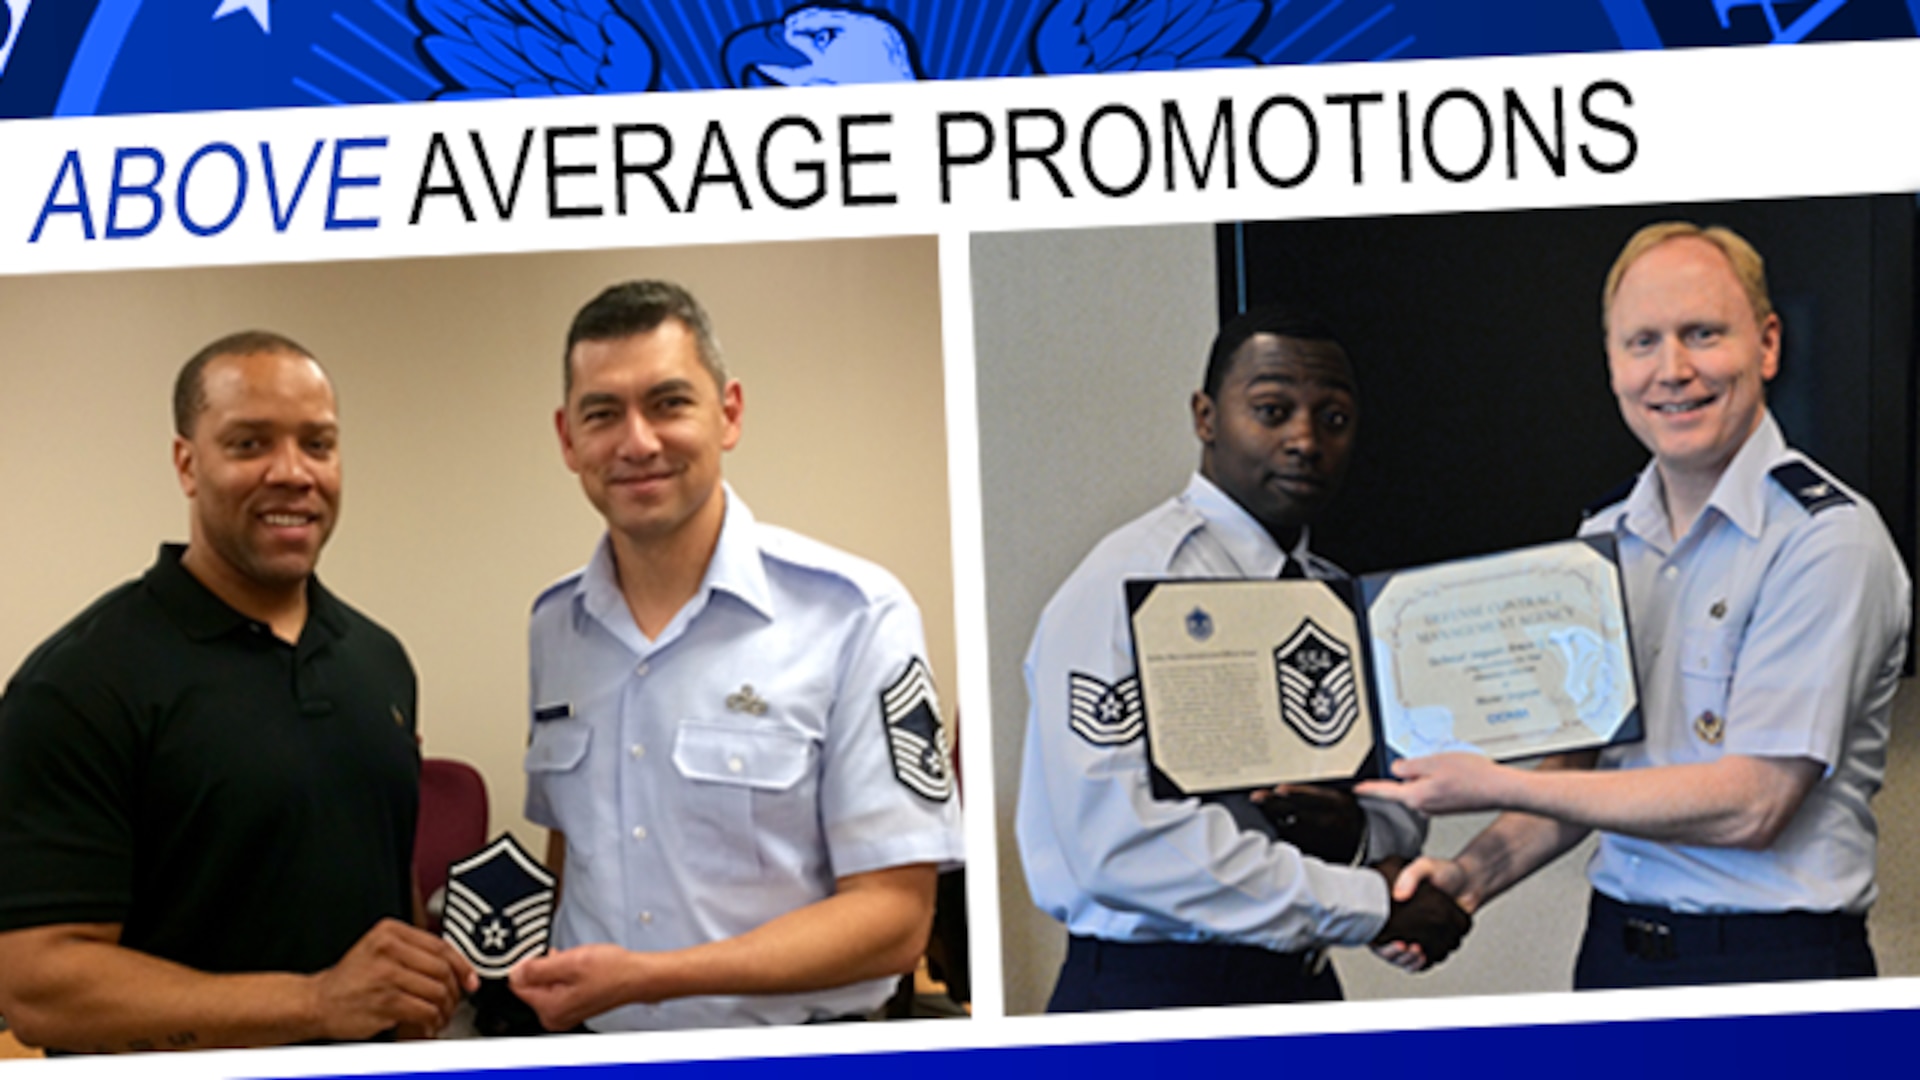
(1769, 612)
(735, 738)
(1225, 900)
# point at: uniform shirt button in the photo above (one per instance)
(734, 764)
(637, 750)
(640, 668)
(646, 917)
(1670, 572)
(639, 832)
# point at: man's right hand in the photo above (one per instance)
(1324, 822)
(1423, 920)
(396, 976)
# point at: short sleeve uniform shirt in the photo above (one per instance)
(780, 733)
(1776, 627)
(1101, 853)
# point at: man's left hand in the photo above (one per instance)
(566, 988)
(1323, 822)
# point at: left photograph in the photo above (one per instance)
(645, 578)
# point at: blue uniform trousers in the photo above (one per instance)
(1633, 945)
(1100, 975)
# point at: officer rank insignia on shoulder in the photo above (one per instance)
(1105, 715)
(914, 735)
(1317, 694)
(499, 907)
(1808, 487)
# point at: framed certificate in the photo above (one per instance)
(1512, 655)
(1248, 684)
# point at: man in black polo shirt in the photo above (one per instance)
(209, 778)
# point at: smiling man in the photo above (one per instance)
(208, 779)
(734, 734)
(1221, 901)
(1769, 613)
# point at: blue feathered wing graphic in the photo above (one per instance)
(1145, 35)
(534, 48)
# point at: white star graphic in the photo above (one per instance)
(493, 935)
(256, 8)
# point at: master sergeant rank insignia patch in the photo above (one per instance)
(1317, 693)
(499, 907)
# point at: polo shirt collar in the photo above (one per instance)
(1251, 546)
(204, 616)
(1739, 495)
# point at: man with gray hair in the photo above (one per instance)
(735, 740)
(1769, 611)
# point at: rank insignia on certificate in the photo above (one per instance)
(1512, 655)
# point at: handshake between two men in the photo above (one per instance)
(1427, 919)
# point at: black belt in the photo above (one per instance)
(1652, 933)
(843, 1018)
(1191, 959)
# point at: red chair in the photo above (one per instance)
(452, 826)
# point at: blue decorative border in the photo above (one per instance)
(1840, 1044)
(87, 57)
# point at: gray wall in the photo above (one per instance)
(1088, 344)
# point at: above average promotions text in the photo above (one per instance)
(794, 162)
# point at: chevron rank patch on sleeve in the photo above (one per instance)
(1105, 715)
(914, 736)
(499, 907)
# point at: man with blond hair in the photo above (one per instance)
(1769, 612)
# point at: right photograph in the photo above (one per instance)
(1488, 603)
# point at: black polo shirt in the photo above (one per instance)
(234, 802)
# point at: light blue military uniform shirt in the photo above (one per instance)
(780, 733)
(1776, 627)
(1101, 853)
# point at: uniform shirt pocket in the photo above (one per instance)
(761, 758)
(1706, 677)
(557, 791)
(748, 787)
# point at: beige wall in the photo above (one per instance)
(457, 507)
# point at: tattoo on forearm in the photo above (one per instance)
(179, 1040)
